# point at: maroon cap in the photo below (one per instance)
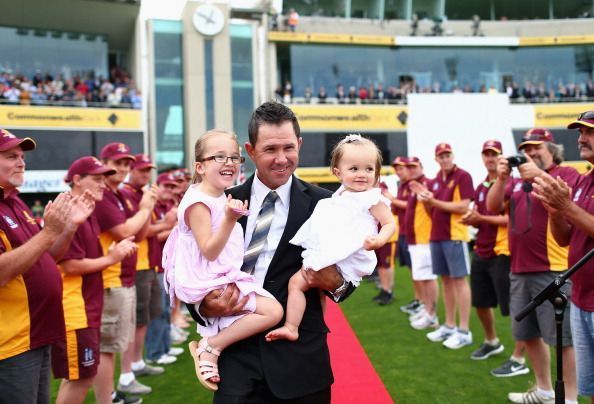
(88, 165)
(442, 148)
(413, 161)
(116, 151)
(399, 161)
(185, 172)
(166, 178)
(536, 136)
(585, 119)
(142, 161)
(8, 141)
(494, 145)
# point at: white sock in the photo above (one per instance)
(521, 360)
(126, 378)
(493, 342)
(570, 401)
(138, 365)
(545, 393)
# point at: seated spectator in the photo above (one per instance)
(340, 94)
(39, 97)
(322, 95)
(307, 95)
(362, 95)
(352, 94)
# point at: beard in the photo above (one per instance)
(16, 180)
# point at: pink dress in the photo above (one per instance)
(190, 276)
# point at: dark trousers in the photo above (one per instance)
(262, 395)
(25, 378)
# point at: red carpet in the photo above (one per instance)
(355, 379)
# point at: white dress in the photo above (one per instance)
(336, 230)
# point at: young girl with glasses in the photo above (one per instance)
(205, 252)
(342, 230)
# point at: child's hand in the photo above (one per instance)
(236, 208)
(371, 243)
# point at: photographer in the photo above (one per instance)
(535, 257)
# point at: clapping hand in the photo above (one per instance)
(82, 207)
(56, 214)
(122, 249)
(554, 193)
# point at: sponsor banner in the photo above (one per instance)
(556, 40)
(559, 115)
(73, 118)
(383, 40)
(351, 118)
(44, 181)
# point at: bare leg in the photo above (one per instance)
(462, 291)
(540, 357)
(268, 314)
(386, 277)
(74, 391)
(519, 349)
(126, 358)
(429, 294)
(295, 309)
(449, 299)
(569, 373)
(139, 337)
(417, 286)
(103, 383)
(485, 314)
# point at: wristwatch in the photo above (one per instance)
(339, 291)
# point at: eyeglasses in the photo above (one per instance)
(219, 158)
(588, 115)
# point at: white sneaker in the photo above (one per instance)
(414, 317)
(176, 336)
(175, 351)
(166, 359)
(441, 334)
(531, 396)
(424, 322)
(458, 340)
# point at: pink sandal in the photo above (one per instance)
(205, 370)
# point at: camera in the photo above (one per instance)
(516, 161)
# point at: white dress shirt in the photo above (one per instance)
(277, 227)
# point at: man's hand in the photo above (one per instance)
(503, 169)
(326, 278)
(122, 249)
(149, 197)
(223, 303)
(471, 218)
(554, 193)
(529, 170)
(82, 207)
(56, 214)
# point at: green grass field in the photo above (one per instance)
(414, 370)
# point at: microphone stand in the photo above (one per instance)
(553, 293)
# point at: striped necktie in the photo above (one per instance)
(260, 233)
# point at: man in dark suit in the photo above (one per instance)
(253, 370)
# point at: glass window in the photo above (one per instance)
(325, 8)
(28, 51)
(521, 10)
(242, 82)
(365, 8)
(572, 8)
(427, 9)
(396, 10)
(209, 84)
(465, 9)
(169, 91)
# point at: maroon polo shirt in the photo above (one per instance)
(31, 304)
(532, 245)
(490, 240)
(143, 262)
(83, 294)
(159, 212)
(113, 210)
(582, 292)
(402, 195)
(418, 221)
(451, 187)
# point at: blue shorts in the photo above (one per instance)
(403, 253)
(582, 331)
(450, 258)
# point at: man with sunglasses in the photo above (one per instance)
(571, 214)
(536, 258)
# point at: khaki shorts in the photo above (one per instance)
(118, 320)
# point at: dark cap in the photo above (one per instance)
(116, 151)
(9, 141)
(399, 161)
(494, 145)
(142, 161)
(88, 165)
(166, 178)
(585, 119)
(443, 148)
(413, 161)
(536, 136)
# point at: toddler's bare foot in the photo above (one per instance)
(284, 332)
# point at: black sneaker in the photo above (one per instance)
(486, 350)
(411, 307)
(385, 299)
(121, 398)
(379, 296)
(510, 368)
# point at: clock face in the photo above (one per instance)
(208, 20)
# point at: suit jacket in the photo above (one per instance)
(290, 369)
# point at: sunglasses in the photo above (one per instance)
(588, 115)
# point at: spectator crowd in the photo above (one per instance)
(80, 90)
